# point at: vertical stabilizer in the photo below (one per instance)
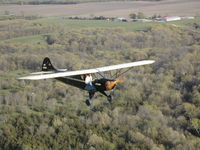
(46, 65)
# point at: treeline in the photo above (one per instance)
(157, 106)
(20, 28)
(38, 2)
(8, 16)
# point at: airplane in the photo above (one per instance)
(83, 79)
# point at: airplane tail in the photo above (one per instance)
(46, 65)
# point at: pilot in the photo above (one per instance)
(88, 81)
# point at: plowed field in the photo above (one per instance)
(110, 9)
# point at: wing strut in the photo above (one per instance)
(119, 73)
(100, 74)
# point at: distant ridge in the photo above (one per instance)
(57, 2)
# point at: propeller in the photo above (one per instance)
(120, 79)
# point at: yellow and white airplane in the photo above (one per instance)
(83, 79)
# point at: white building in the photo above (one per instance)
(167, 18)
(121, 19)
(183, 18)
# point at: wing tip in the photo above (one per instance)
(146, 62)
(151, 61)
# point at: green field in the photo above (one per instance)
(61, 23)
(80, 24)
(127, 26)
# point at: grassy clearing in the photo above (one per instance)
(80, 24)
(33, 39)
(127, 26)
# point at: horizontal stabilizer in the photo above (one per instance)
(42, 72)
(48, 72)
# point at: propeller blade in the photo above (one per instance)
(120, 79)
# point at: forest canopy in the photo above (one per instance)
(157, 106)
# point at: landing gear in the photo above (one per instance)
(109, 97)
(91, 95)
(89, 101)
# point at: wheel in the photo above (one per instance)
(88, 102)
(110, 98)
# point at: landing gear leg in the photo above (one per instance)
(109, 97)
(89, 101)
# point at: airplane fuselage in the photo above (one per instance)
(100, 85)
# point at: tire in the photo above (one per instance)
(87, 102)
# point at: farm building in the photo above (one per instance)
(187, 18)
(167, 18)
(141, 20)
(121, 19)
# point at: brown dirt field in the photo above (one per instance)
(110, 9)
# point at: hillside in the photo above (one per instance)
(157, 106)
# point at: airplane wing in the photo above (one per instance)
(88, 71)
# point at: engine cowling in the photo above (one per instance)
(109, 85)
(106, 84)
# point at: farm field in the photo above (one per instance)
(59, 22)
(109, 9)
